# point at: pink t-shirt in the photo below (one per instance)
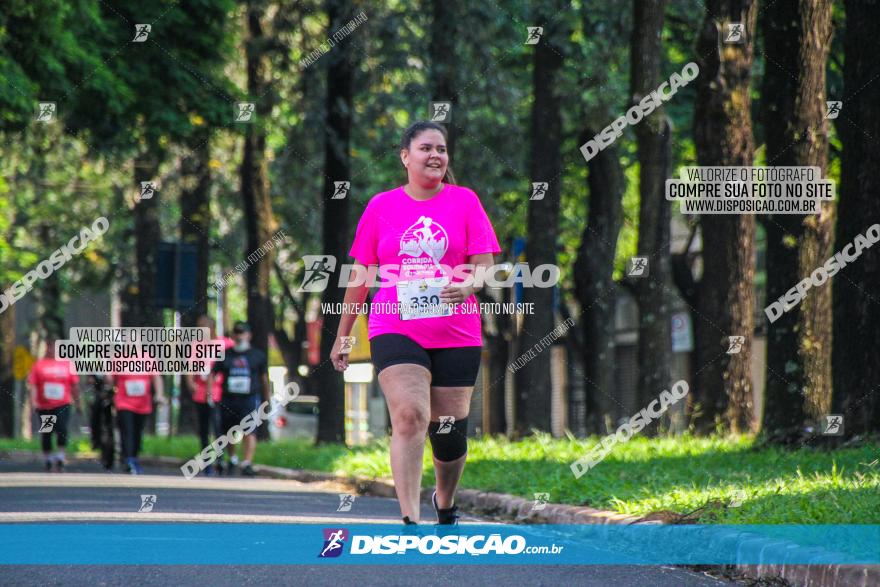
(53, 379)
(419, 240)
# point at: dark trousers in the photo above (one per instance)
(62, 416)
(208, 419)
(131, 429)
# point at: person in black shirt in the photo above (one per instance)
(245, 384)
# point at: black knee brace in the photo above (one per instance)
(448, 440)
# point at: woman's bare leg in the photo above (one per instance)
(407, 390)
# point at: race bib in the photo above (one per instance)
(420, 298)
(239, 384)
(53, 391)
(135, 388)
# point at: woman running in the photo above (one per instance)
(54, 387)
(134, 402)
(425, 329)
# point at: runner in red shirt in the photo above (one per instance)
(134, 401)
(207, 408)
(53, 386)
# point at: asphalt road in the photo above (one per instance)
(84, 493)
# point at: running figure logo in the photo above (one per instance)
(446, 423)
(334, 540)
(318, 270)
(441, 111)
(45, 112)
(346, 343)
(141, 32)
(736, 344)
(346, 500)
(244, 111)
(147, 503)
(539, 189)
(541, 500)
(535, 33)
(833, 425)
(47, 423)
(637, 267)
(833, 109)
(148, 189)
(425, 237)
(341, 190)
(735, 33)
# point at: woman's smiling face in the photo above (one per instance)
(426, 159)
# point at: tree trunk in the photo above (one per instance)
(444, 66)
(147, 234)
(533, 384)
(723, 136)
(796, 40)
(195, 227)
(259, 221)
(856, 309)
(595, 288)
(335, 230)
(653, 144)
(7, 376)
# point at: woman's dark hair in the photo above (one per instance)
(417, 128)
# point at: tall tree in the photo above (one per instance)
(653, 144)
(856, 309)
(594, 286)
(259, 221)
(723, 136)
(797, 36)
(533, 383)
(444, 32)
(335, 228)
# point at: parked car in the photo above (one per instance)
(298, 419)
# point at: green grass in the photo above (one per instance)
(682, 474)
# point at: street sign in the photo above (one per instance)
(175, 283)
(22, 361)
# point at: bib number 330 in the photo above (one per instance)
(420, 298)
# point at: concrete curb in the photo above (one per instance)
(520, 510)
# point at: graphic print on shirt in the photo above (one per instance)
(239, 376)
(424, 237)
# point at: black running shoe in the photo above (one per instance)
(59, 466)
(447, 516)
(48, 465)
(218, 466)
(248, 471)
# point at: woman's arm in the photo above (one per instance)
(354, 298)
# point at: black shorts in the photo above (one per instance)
(450, 367)
(233, 411)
